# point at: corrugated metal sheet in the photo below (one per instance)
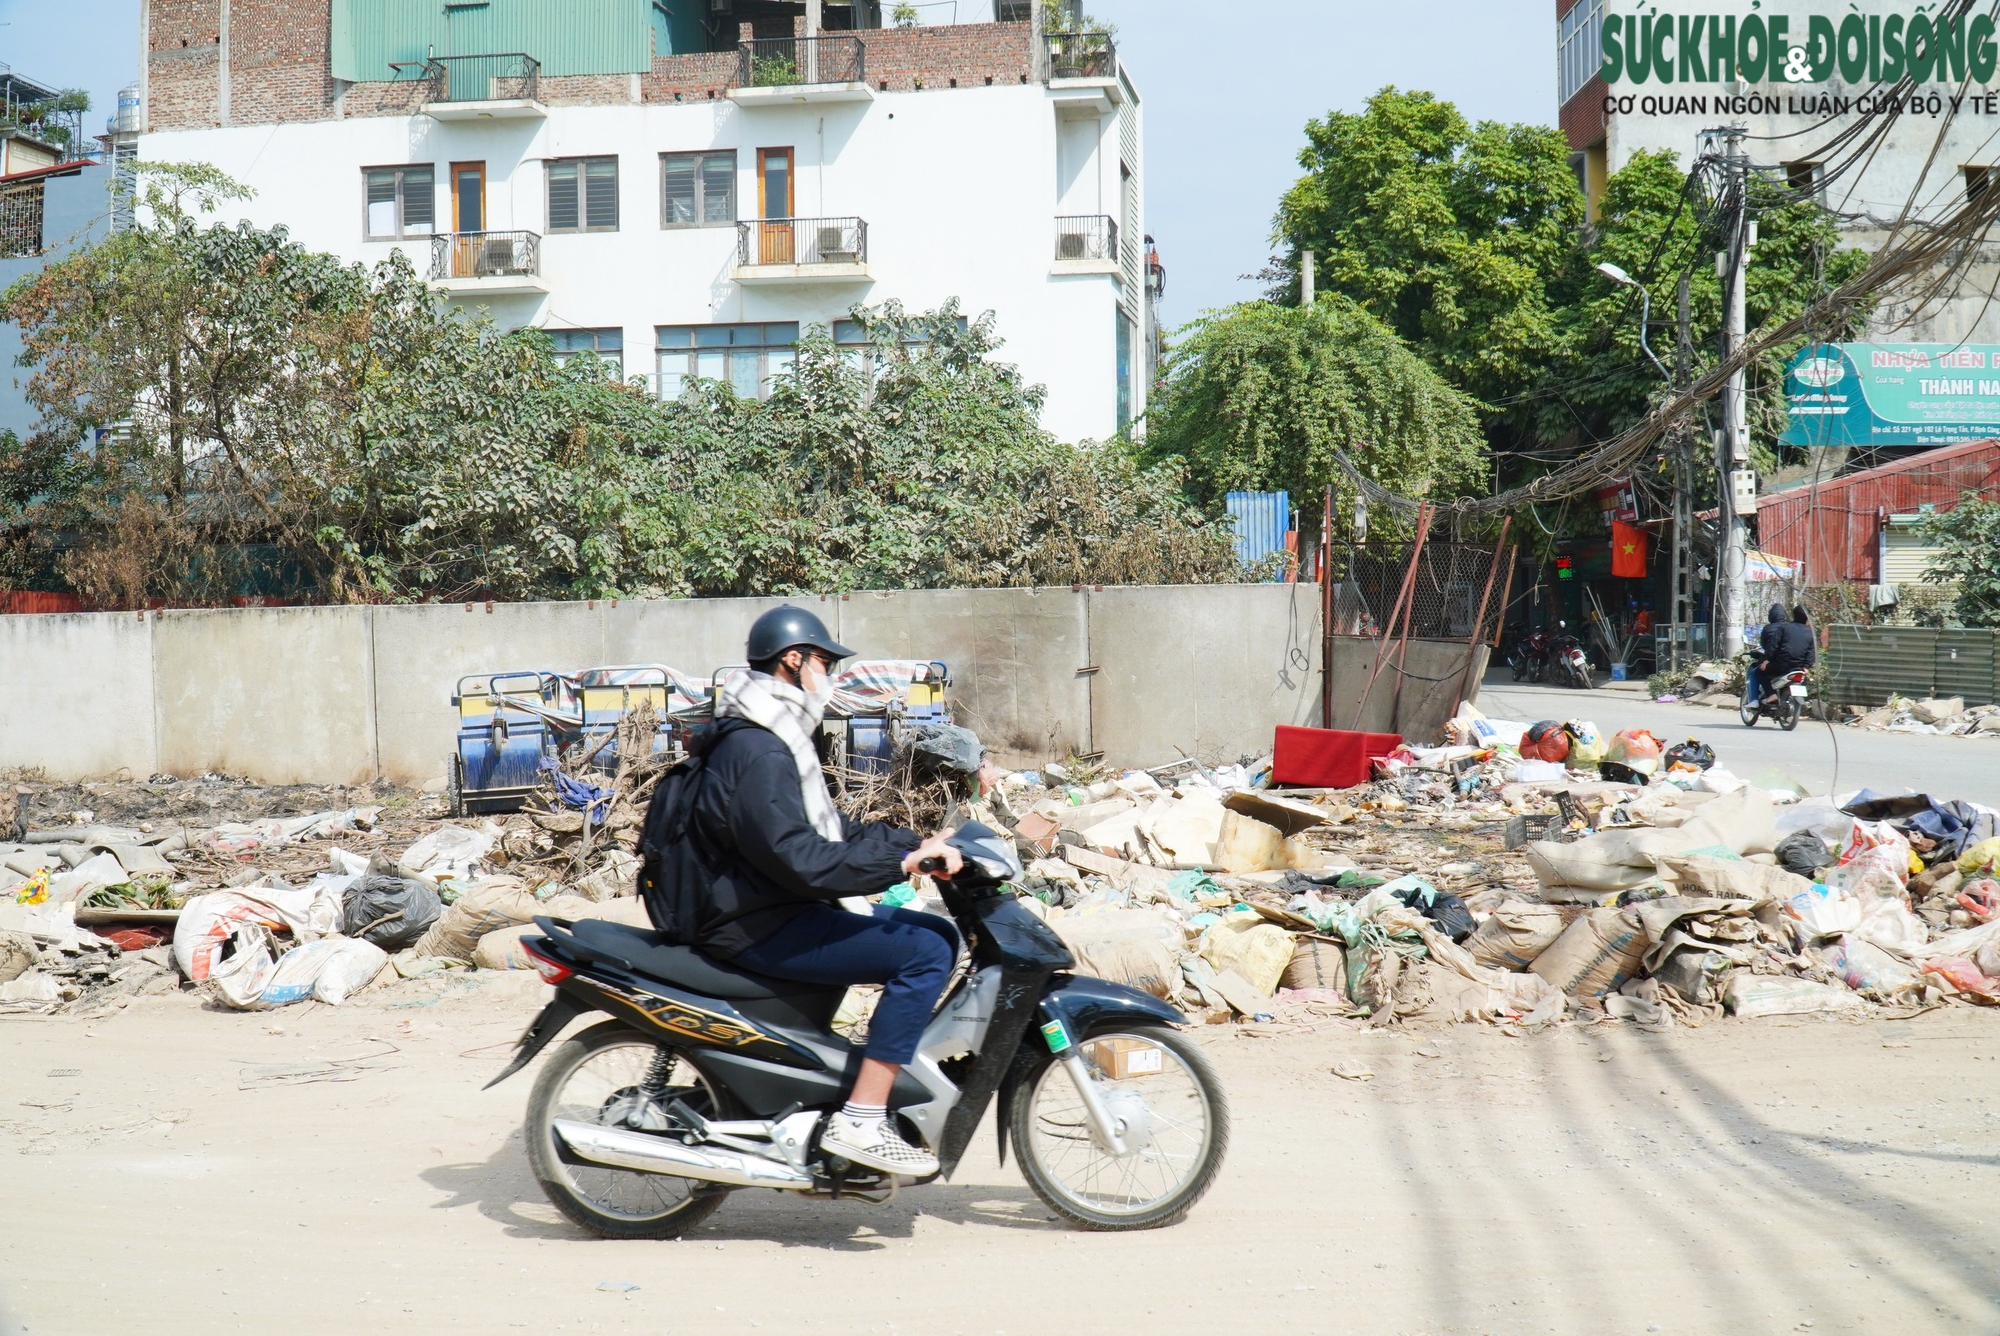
(1964, 662)
(1868, 664)
(1905, 557)
(1835, 527)
(1261, 519)
(575, 37)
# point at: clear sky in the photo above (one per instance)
(1228, 87)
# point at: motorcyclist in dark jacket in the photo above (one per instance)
(785, 859)
(1787, 645)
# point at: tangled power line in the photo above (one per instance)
(1921, 263)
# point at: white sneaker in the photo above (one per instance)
(876, 1145)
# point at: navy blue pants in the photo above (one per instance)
(908, 953)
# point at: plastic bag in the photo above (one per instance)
(1586, 748)
(208, 921)
(1824, 911)
(1981, 900)
(1867, 968)
(1962, 976)
(1545, 741)
(1443, 908)
(1802, 854)
(391, 912)
(449, 853)
(1636, 750)
(1980, 856)
(327, 970)
(1689, 755)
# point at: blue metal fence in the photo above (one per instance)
(1262, 519)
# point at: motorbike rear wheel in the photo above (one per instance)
(1789, 708)
(1177, 1125)
(603, 1075)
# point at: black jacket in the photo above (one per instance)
(769, 862)
(1788, 646)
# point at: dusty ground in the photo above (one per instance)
(1748, 1177)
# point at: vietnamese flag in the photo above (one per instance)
(1628, 551)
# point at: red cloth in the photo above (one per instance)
(1333, 758)
(1628, 551)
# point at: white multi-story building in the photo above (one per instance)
(683, 185)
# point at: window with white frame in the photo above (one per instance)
(698, 189)
(607, 345)
(748, 357)
(1579, 48)
(400, 202)
(583, 195)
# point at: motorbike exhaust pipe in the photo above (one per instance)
(623, 1149)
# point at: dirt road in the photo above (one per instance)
(1774, 1176)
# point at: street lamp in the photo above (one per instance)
(1619, 276)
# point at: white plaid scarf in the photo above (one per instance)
(781, 708)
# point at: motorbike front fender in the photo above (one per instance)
(1084, 1004)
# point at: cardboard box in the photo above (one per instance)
(1123, 1059)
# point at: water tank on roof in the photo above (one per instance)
(131, 112)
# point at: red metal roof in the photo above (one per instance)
(1835, 527)
(36, 173)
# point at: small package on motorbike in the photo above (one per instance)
(1690, 756)
(1545, 741)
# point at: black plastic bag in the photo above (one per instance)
(1697, 754)
(389, 911)
(1443, 908)
(1803, 854)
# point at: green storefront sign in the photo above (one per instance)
(1893, 393)
(1797, 48)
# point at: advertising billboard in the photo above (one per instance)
(1893, 393)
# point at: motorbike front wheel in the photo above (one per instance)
(612, 1074)
(1749, 712)
(1175, 1121)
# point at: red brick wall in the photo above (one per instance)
(182, 42)
(279, 67)
(1582, 117)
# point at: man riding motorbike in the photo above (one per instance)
(1786, 646)
(784, 858)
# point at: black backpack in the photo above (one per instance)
(676, 865)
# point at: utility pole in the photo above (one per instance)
(1306, 278)
(1680, 610)
(1732, 450)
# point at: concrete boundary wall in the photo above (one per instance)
(345, 694)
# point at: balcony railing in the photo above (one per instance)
(495, 78)
(1082, 55)
(1089, 236)
(779, 62)
(486, 255)
(802, 241)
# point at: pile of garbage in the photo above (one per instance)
(1589, 877)
(1948, 715)
(1520, 874)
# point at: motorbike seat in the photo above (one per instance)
(651, 954)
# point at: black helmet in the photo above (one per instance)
(786, 628)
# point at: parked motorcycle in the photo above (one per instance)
(1784, 700)
(1530, 660)
(1571, 664)
(707, 1078)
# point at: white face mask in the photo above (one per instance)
(818, 693)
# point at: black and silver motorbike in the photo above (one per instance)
(708, 1079)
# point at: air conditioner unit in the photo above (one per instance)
(1072, 246)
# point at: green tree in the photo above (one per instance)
(1968, 541)
(257, 405)
(1449, 233)
(1261, 397)
(921, 464)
